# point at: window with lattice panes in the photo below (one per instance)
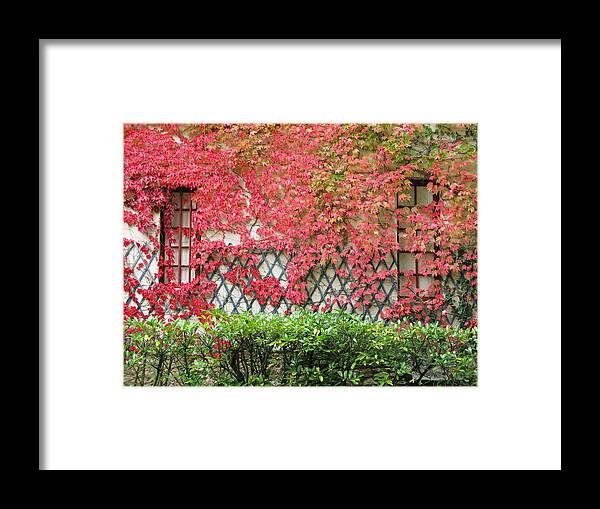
(418, 195)
(176, 234)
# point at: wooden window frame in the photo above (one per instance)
(415, 182)
(163, 227)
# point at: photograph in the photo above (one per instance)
(300, 254)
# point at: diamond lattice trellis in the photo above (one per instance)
(462, 297)
(326, 282)
(231, 298)
(145, 275)
(322, 283)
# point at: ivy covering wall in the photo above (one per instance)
(322, 195)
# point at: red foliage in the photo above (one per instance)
(318, 193)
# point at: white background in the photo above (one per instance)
(510, 421)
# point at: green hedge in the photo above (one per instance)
(302, 349)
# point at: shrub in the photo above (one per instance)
(159, 353)
(302, 349)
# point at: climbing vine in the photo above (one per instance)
(319, 193)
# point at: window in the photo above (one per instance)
(418, 195)
(176, 236)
